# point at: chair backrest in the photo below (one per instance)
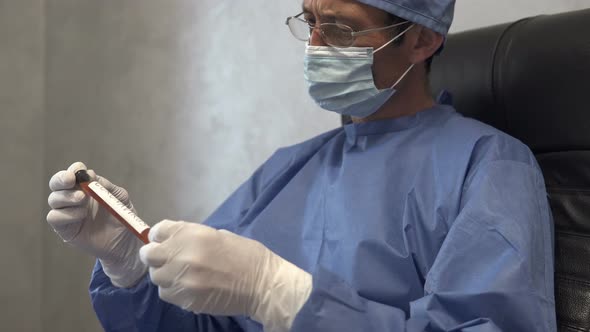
(531, 79)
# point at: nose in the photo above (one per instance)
(315, 39)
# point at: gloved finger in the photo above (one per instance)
(76, 167)
(161, 277)
(164, 230)
(63, 217)
(153, 255)
(62, 180)
(92, 174)
(66, 198)
(172, 295)
(120, 193)
(65, 179)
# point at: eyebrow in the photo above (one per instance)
(305, 9)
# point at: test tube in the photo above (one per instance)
(113, 205)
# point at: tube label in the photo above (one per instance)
(131, 218)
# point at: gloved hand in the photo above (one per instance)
(217, 272)
(81, 222)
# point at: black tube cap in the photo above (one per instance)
(82, 176)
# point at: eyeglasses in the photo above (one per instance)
(333, 34)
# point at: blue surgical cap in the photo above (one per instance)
(433, 14)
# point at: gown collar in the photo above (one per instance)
(354, 130)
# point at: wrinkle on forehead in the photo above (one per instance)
(323, 7)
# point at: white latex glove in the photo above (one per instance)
(205, 270)
(81, 222)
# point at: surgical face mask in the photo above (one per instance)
(341, 79)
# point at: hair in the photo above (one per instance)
(392, 19)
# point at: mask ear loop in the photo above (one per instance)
(391, 41)
(394, 39)
(403, 75)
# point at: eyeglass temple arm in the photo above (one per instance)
(364, 32)
(292, 17)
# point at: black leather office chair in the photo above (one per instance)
(531, 79)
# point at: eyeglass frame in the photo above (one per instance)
(353, 33)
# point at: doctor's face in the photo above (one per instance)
(352, 13)
(390, 62)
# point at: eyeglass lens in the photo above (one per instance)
(333, 34)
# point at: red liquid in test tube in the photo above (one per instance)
(113, 205)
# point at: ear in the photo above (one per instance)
(423, 43)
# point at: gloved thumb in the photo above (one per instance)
(165, 229)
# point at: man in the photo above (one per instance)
(412, 218)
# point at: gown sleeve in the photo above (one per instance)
(140, 308)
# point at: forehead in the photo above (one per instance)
(342, 7)
(328, 4)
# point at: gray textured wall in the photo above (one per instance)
(21, 159)
(479, 13)
(176, 100)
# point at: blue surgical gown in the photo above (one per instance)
(430, 222)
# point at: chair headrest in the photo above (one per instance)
(530, 78)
